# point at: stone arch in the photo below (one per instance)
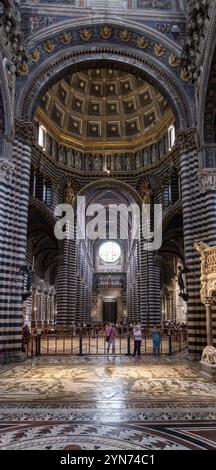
(155, 70)
(46, 213)
(111, 183)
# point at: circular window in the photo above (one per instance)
(110, 252)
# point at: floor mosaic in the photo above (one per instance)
(106, 404)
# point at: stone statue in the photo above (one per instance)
(70, 158)
(97, 163)
(128, 162)
(88, 162)
(78, 161)
(118, 163)
(147, 193)
(154, 152)
(138, 161)
(49, 144)
(146, 156)
(61, 155)
(69, 195)
(108, 162)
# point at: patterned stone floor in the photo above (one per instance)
(100, 403)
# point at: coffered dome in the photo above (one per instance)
(104, 107)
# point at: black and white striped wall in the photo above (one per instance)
(199, 221)
(14, 194)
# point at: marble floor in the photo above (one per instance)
(106, 403)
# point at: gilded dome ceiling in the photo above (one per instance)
(104, 107)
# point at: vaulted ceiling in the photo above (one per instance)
(103, 105)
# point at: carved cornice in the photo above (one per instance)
(11, 37)
(25, 131)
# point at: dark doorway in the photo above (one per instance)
(110, 311)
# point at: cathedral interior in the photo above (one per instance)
(107, 105)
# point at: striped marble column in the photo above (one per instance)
(14, 191)
(199, 214)
(67, 284)
(150, 303)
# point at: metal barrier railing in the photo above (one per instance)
(81, 345)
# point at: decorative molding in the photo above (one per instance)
(98, 34)
(11, 37)
(25, 131)
(197, 26)
(208, 271)
(6, 171)
(187, 140)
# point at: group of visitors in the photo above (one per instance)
(137, 335)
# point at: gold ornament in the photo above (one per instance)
(173, 60)
(105, 32)
(24, 69)
(159, 50)
(69, 195)
(85, 34)
(35, 55)
(65, 38)
(142, 42)
(49, 46)
(125, 35)
(185, 75)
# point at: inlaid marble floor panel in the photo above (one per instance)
(100, 403)
(108, 380)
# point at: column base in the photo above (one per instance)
(8, 358)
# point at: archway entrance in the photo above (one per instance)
(111, 121)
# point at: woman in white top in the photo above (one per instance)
(137, 333)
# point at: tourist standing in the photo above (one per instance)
(156, 338)
(137, 333)
(110, 338)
